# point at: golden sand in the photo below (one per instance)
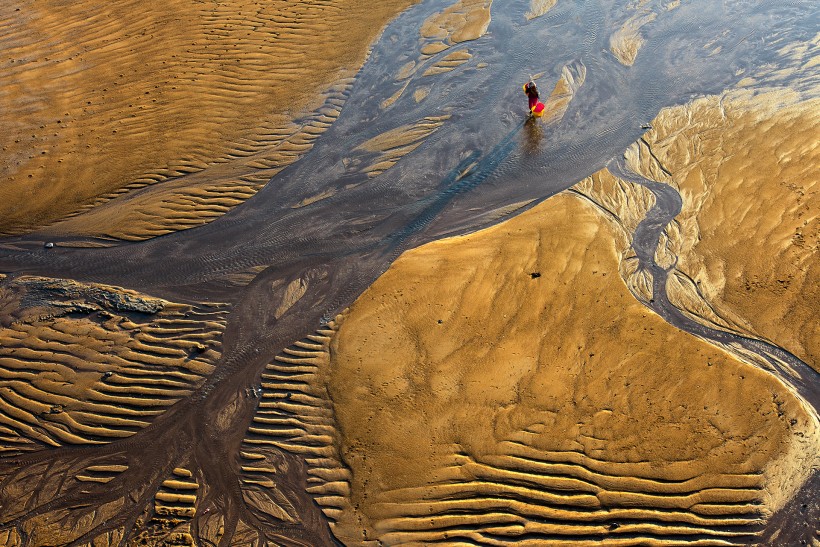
(488, 387)
(394, 144)
(463, 21)
(507, 383)
(627, 40)
(539, 8)
(295, 414)
(86, 363)
(748, 236)
(99, 98)
(571, 79)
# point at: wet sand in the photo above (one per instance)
(745, 168)
(503, 386)
(83, 364)
(104, 102)
(537, 380)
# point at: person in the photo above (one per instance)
(536, 106)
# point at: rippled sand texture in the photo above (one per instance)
(296, 414)
(507, 386)
(104, 100)
(503, 386)
(748, 237)
(89, 363)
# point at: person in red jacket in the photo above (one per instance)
(536, 106)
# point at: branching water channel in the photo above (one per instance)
(791, 370)
(476, 163)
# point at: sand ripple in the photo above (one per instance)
(89, 363)
(476, 404)
(100, 100)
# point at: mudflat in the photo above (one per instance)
(102, 100)
(308, 273)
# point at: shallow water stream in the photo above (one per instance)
(327, 223)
